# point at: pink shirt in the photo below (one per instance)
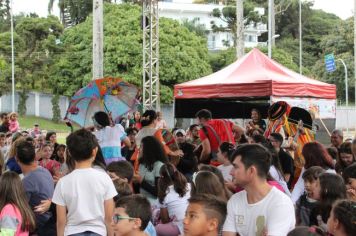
(51, 165)
(11, 220)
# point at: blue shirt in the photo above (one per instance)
(39, 186)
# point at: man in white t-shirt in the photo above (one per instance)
(84, 198)
(259, 209)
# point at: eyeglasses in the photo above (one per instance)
(116, 218)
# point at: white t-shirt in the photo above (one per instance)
(144, 132)
(275, 212)
(225, 170)
(149, 177)
(176, 205)
(83, 193)
(280, 179)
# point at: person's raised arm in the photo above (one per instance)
(127, 142)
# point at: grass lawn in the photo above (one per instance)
(27, 122)
(61, 128)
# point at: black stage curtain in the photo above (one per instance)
(221, 108)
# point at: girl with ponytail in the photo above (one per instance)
(173, 195)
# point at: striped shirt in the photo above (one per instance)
(109, 139)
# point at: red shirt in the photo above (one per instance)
(223, 129)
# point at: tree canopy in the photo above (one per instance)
(183, 54)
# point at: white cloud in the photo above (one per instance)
(342, 8)
(38, 6)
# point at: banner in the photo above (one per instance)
(323, 108)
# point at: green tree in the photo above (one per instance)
(34, 43)
(228, 15)
(340, 43)
(4, 15)
(226, 57)
(73, 12)
(183, 54)
(195, 26)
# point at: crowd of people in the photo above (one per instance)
(137, 177)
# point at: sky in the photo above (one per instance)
(342, 8)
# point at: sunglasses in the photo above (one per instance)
(116, 218)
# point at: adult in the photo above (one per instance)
(336, 138)
(194, 137)
(213, 133)
(315, 154)
(11, 162)
(135, 122)
(187, 165)
(259, 209)
(148, 121)
(275, 170)
(109, 137)
(128, 151)
(38, 185)
(36, 131)
(51, 138)
(346, 157)
(152, 158)
(148, 126)
(256, 123)
(285, 159)
(4, 127)
(161, 123)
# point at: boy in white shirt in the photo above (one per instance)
(259, 209)
(84, 197)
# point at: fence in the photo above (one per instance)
(37, 104)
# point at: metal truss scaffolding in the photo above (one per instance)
(150, 22)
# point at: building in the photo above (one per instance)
(187, 10)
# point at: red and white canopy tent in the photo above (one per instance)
(254, 81)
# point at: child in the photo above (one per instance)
(224, 152)
(173, 195)
(14, 125)
(205, 215)
(349, 176)
(51, 165)
(329, 188)
(307, 231)
(61, 148)
(16, 216)
(3, 147)
(84, 197)
(209, 183)
(121, 173)
(131, 216)
(342, 220)
(307, 201)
